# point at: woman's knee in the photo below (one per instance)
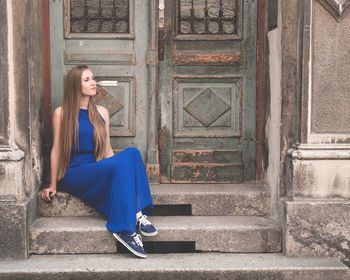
(133, 150)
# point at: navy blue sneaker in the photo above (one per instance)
(146, 227)
(132, 242)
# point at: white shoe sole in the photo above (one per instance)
(149, 234)
(128, 247)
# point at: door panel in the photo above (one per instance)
(207, 91)
(105, 35)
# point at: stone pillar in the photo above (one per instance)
(21, 86)
(318, 166)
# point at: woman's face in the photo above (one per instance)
(88, 83)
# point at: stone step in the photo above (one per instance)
(248, 199)
(196, 266)
(207, 156)
(71, 235)
(206, 173)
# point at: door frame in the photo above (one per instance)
(261, 53)
(152, 162)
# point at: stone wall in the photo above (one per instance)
(318, 228)
(28, 69)
(289, 83)
(318, 165)
(331, 68)
(21, 121)
(273, 120)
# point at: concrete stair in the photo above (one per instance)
(202, 200)
(218, 217)
(174, 266)
(220, 225)
(71, 235)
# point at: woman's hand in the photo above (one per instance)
(48, 193)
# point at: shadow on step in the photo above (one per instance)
(172, 210)
(163, 247)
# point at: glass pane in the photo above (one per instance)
(185, 9)
(199, 27)
(185, 27)
(207, 17)
(199, 8)
(228, 12)
(214, 8)
(99, 16)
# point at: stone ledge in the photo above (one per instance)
(11, 182)
(318, 178)
(64, 235)
(174, 266)
(205, 200)
(318, 228)
(320, 152)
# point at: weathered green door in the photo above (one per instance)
(111, 37)
(207, 87)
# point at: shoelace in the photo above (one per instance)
(138, 239)
(143, 220)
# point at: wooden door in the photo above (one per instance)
(111, 37)
(207, 90)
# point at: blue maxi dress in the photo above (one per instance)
(117, 187)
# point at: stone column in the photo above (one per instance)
(12, 213)
(318, 166)
(20, 121)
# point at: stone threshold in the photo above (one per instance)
(174, 266)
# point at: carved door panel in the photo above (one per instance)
(105, 35)
(207, 91)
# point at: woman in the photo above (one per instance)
(82, 160)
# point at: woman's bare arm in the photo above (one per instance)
(49, 192)
(105, 115)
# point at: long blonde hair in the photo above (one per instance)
(70, 125)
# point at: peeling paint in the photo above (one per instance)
(206, 59)
(163, 137)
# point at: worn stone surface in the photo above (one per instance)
(213, 199)
(331, 69)
(36, 93)
(11, 182)
(64, 205)
(289, 82)
(225, 234)
(20, 86)
(216, 199)
(65, 235)
(13, 239)
(26, 89)
(175, 266)
(318, 229)
(4, 74)
(273, 120)
(320, 178)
